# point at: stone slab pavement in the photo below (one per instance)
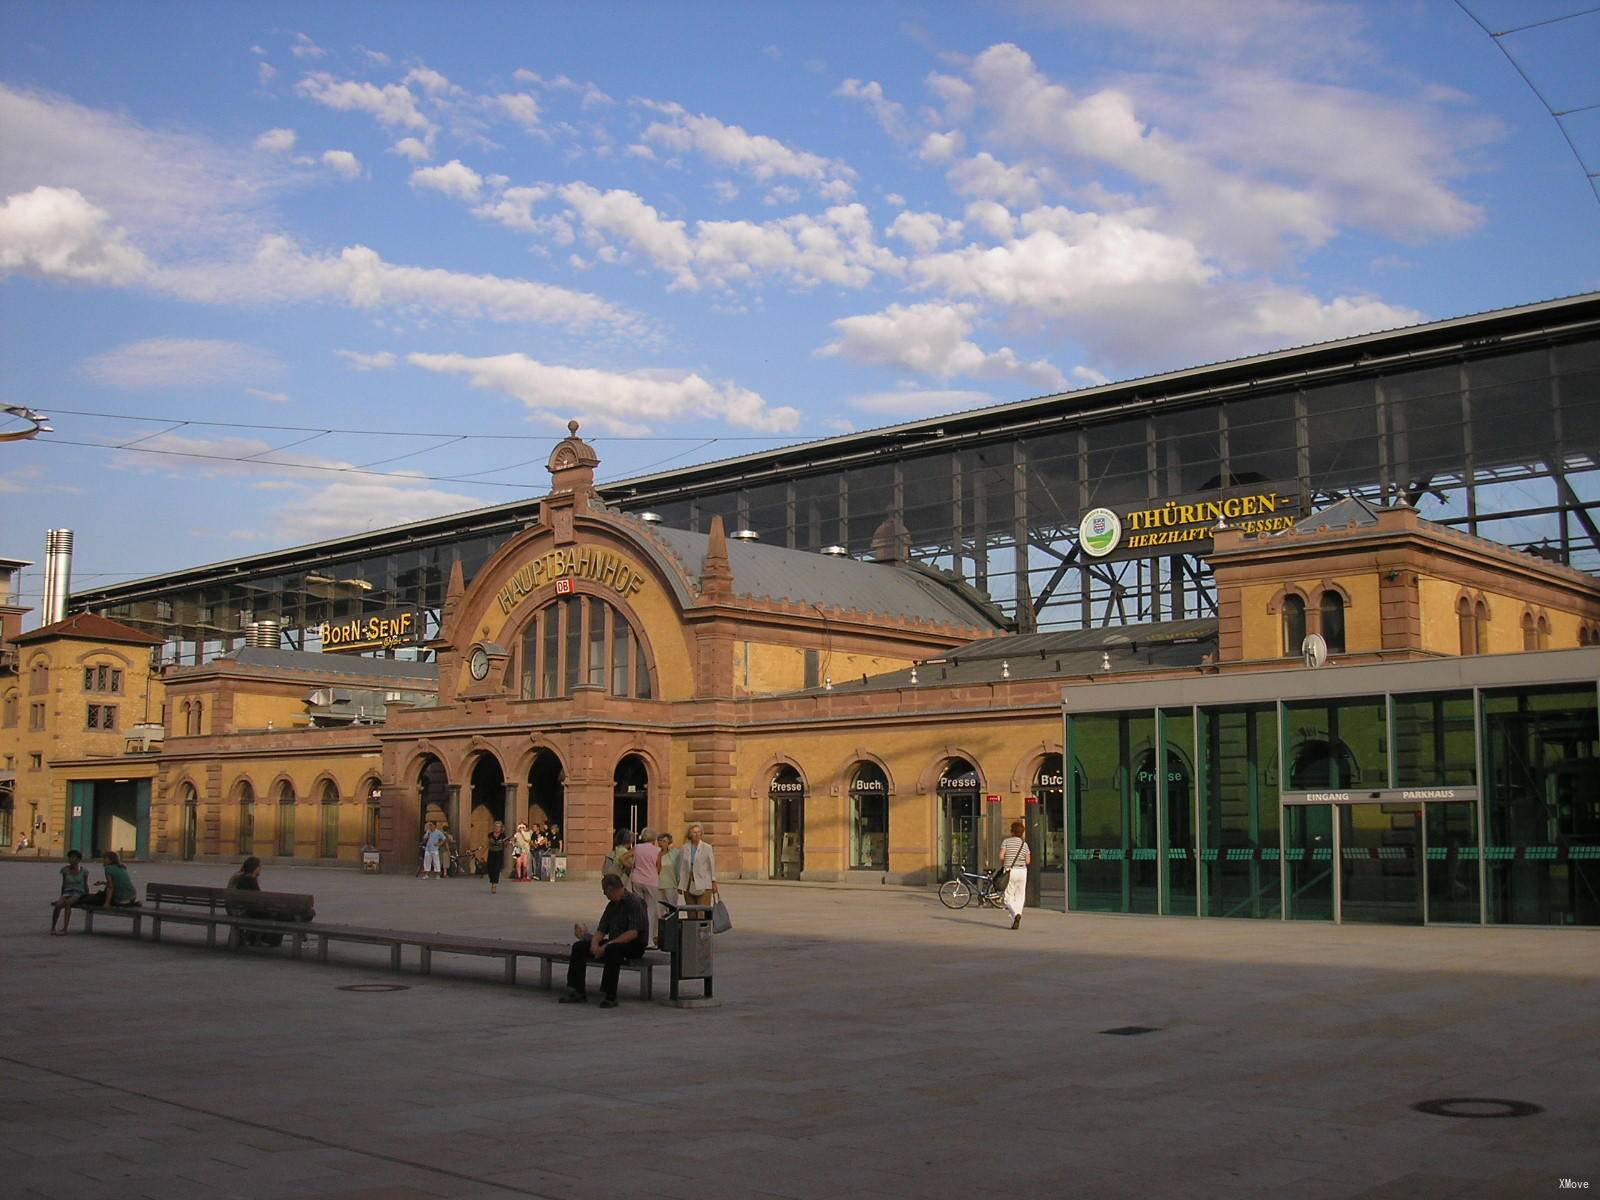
(869, 1043)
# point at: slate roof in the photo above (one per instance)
(304, 662)
(89, 627)
(1075, 652)
(902, 591)
(1352, 510)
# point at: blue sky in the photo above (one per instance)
(705, 229)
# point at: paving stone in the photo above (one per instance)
(868, 1043)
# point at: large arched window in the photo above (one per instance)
(1333, 621)
(1530, 635)
(1480, 619)
(286, 820)
(580, 640)
(247, 819)
(328, 826)
(1294, 625)
(869, 817)
(1467, 628)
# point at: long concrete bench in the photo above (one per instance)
(186, 904)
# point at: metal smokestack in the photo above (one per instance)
(57, 574)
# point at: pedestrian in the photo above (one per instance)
(554, 831)
(1015, 855)
(447, 849)
(432, 844)
(496, 854)
(541, 852)
(620, 861)
(646, 879)
(521, 852)
(619, 935)
(74, 890)
(668, 870)
(697, 868)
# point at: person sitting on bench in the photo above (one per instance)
(74, 890)
(621, 934)
(117, 890)
(248, 879)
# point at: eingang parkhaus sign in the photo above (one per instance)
(1181, 526)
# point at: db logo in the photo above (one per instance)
(564, 586)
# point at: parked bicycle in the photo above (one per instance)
(968, 886)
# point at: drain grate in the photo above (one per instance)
(375, 987)
(1131, 1030)
(1473, 1107)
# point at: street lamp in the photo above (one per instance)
(37, 423)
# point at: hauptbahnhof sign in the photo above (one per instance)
(1181, 526)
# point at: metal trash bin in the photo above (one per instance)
(686, 936)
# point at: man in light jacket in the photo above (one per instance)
(697, 869)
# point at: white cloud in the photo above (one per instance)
(413, 148)
(640, 150)
(615, 402)
(453, 179)
(161, 364)
(520, 107)
(357, 504)
(837, 247)
(265, 73)
(304, 47)
(56, 233)
(931, 339)
(942, 147)
(276, 141)
(725, 190)
(959, 97)
(392, 104)
(343, 162)
(359, 277)
(270, 397)
(162, 187)
(381, 361)
(986, 176)
(923, 232)
(994, 219)
(514, 207)
(781, 194)
(432, 82)
(891, 117)
(765, 158)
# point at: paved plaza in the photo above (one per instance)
(869, 1043)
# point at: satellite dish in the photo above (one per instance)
(1315, 650)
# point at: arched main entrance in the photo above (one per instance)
(1322, 764)
(787, 795)
(488, 804)
(958, 817)
(630, 805)
(546, 790)
(433, 794)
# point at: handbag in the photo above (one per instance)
(721, 922)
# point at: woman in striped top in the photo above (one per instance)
(1015, 857)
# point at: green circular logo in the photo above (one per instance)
(1100, 532)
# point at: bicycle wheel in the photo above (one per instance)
(955, 893)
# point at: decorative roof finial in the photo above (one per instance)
(572, 428)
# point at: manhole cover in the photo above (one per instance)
(1131, 1030)
(376, 987)
(1476, 1107)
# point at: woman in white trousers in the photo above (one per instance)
(1014, 858)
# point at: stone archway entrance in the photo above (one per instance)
(630, 805)
(488, 783)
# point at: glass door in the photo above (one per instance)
(1379, 873)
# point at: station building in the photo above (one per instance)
(857, 660)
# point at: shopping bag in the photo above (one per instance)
(721, 922)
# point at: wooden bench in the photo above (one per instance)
(90, 911)
(231, 908)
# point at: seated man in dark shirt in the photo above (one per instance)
(622, 933)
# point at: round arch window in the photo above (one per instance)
(869, 818)
(579, 641)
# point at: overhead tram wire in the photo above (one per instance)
(1593, 177)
